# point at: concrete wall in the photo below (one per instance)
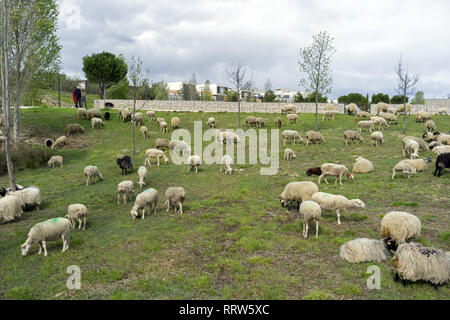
(414, 108)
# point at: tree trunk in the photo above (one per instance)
(133, 125)
(404, 111)
(317, 109)
(16, 122)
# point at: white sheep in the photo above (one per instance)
(97, 123)
(175, 196)
(297, 191)
(362, 165)
(441, 149)
(288, 109)
(418, 164)
(155, 153)
(211, 122)
(82, 113)
(194, 161)
(142, 172)
(328, 115)
(94, 113)
(352, 135)
(179, 146)
(77, 212)
(412, 148)
(364, 250)
(125, 114)
(61, 141)
(151, 115)
(291, 135)
(352, 109)
(334, 170)
(405, 168)
(400, 226)
(54, 161)
(382, 107)
(314, 136)
(92, 172)
(442, 111)
(175, 122)
(144, 131)
(227, 161)
(10, 209)
(422, 145)
(49, 230)
(148, 197)
(430, 125)
(163, 127)
(125, 188)
(289, 154)
(336, 202)
(137, 118)
(229, 137)
(422, 116)
(401, 109)
(363, 115)
(292, 118)
(159, 120)
(310, 211)
(377, 137)
(366, 124)
(30, 196)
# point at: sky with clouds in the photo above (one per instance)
(179, 37)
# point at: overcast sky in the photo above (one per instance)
(178, 37)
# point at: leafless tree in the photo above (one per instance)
(5, 91)
(405, 86)
(237, 74)
(267, 85)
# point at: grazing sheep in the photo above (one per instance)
(380, 122)
(97, 123)
(194, 161)
(289, 109)
(352, 135)
(175, 196)
(400, 226)
(310, 211)
(107, 116)
(30, 196)
(389, 117)
(148, 197)
(260, 122)
(289, 154)
(292, 118)
(125, 114)
(329, 107)
(422, 116)
(92, 172)
(125, 163)
(49, 230)
(228, 137)
(48, 143)
(438, 137)
(77, 212)
(362, 165)
(328, 115)
(412, 147)
(352, 109)
(175, 122)
(364, 250)
(297, 191)
(159, 120)
(377, 137)
(334, 170)
(61, 141)
(405, 168)
(442, 111)
(441, 149)
(162, 143)
(418, 164)
(137, 119)
(434, 144)
(155, 153)
(414, 262)
(442, 162)
(314, 136)
(10, 209)
(74, 128)
(422, 145)
(163, 127)
(278, 122)
(363, 115)
(430, 125)
(55, 160)
(125, 188)
(382, 107)
(366, 124)
(144, 131)
(4, 191)
(151, 115)
(82, 113)
(211, 122)
(142, 172)
(291, 135)
(401, 109)
(250, 121)
(316, 171)
(94, 113)
(227, 161)
(336, 202)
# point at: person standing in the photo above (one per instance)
(83, 98)
(78, 97)
(74, 97)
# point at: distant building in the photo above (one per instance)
(218, 91)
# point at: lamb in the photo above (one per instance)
(441, 149)
(366, 124)
(260, 122)
(377, 137)
(363, 115)
(401, 109)
(278, 122)
(310, 211)
(352, 109)
(405, 168)
(336, 202)
(97, 123)
(412, 147)
(162, 143)
(125, 188)
(297, 191)
(335, 170)
(328, 115)
(314, 136)
(289, 154)
(382, 107)
(211, 122)
(414, 262)
(194, 161)
(442, 162)
(82, 113)
(288, 109)
(442, 111)
(30, 196)
(55, 160)
(364, 250)
(107, 116)
(142, 172)
(94, 113)
(292, 118)
(61, 141)
(175, 122)
(422, 116)
(163, 127)
(92, 172)
(77, 212)
(316, 171)
(352, 135)
(74, 128)
(10, 209)
(422, 145)
(226, 161)
(250, 121)
(291, 135)
(148, 197)
(362, 165)
(144, 131)
(400, 227)
(430, 125)
(155, 153)
(137, 118)
(175, 196)
(125, 163)
(151, 115)
(49, 230)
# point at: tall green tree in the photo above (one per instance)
(105, 69)
(299, 98)
(356, 98)
(398, 99)
(315, 64)
(419, 98)
(119, 90)
(379, 97)
(160, 91)
(269, 96)
(207, 94)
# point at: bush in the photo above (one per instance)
(26, 156)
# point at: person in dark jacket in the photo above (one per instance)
(74, 97)
(78, 97)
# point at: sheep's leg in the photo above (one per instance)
(181, 207)
(326, 180)
(338, 216)
(125, 198)
(87, 181)
(393, 175)
(156, 204)
(320, 178)
(317, 228)
(118, 197)
(303, 231)
(158, 161)
(84, 225)
(40, 247)
(196, 169)
(143, 213)
(44, 245)
(167, 205)
(79, 223)
(306, 231)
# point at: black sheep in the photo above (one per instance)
(107, 116)
(125, 163)
(48, 143)
(4, 191)
(442, 162)
(317, 171)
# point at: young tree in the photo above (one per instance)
(268, 85)
(236, 73)
(419, 98)
(405, 86)
(105, 69)
(269, 96)
(206, 94)
(160, 90)
(315, 63)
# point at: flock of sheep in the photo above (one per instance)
(411, 261)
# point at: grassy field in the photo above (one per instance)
(234, 240)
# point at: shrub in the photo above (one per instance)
(26, 156)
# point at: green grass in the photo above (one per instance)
(233, 241)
